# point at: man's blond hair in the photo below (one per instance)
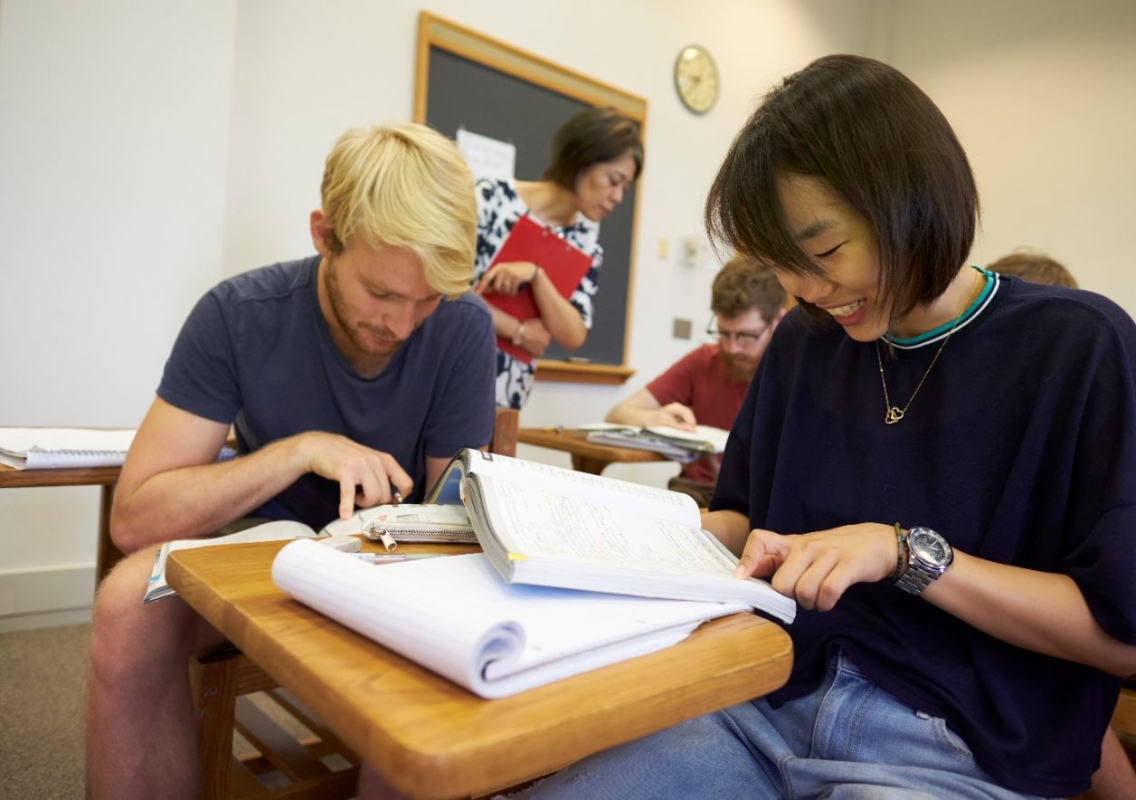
(1035, 268)
(403, 185)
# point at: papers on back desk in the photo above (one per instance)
(57, 448)
(673, 443)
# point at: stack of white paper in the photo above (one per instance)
(456, 616)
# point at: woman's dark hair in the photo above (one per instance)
(590, 137)
(878, 140)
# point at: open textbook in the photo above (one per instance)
(547, 526)
(456, 617)
(389, 524)
(674, 443)
(158, 587)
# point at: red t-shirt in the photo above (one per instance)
(699, 380)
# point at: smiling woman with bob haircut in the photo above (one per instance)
(937, 464)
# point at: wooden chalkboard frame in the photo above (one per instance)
(437, 34)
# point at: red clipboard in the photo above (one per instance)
(564, 263)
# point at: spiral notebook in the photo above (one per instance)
(456, 617)
(58, 448)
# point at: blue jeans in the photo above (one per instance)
(849, 740)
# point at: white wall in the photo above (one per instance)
(1042, 94)
(114, 123)
(148, 149)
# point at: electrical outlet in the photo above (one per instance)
(682, 329)
(689, 250)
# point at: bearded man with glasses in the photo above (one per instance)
(707, 386)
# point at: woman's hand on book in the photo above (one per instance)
(815, 569)
(366, 477)
(507, 278)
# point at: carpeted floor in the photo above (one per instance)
(43, 675)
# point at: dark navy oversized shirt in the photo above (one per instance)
(1020, 448)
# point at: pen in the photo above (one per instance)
(397, 496)
(380, 558)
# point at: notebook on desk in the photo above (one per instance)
(59, 448)
(71, 448)
(456, 617)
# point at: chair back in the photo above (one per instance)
(504, 441)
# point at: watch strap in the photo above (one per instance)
(914, 581)
(900, 554)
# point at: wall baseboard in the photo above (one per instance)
(43, 598)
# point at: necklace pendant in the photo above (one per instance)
(893, 415)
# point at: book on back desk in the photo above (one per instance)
(61, 448)
(674, 443)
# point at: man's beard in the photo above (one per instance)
(355, 332)
(739, 369)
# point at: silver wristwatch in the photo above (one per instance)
(927, 555)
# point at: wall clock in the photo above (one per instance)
(696, 78)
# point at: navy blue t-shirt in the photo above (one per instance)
(256, 351)
(1020, 448)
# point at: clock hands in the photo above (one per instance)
(696, 79)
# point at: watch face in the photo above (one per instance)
(929, 546)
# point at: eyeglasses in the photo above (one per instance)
(745, 339)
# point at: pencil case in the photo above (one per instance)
(409, 522)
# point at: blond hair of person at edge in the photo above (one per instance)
(1035, 268)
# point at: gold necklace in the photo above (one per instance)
(893, 414)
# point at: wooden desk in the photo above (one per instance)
(106, 477)
(107, 555)
(586, 456)
(432, 739)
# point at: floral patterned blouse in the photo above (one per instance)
(498, 209)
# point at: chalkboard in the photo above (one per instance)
(466, 80)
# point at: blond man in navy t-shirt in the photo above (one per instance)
(347, 376)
